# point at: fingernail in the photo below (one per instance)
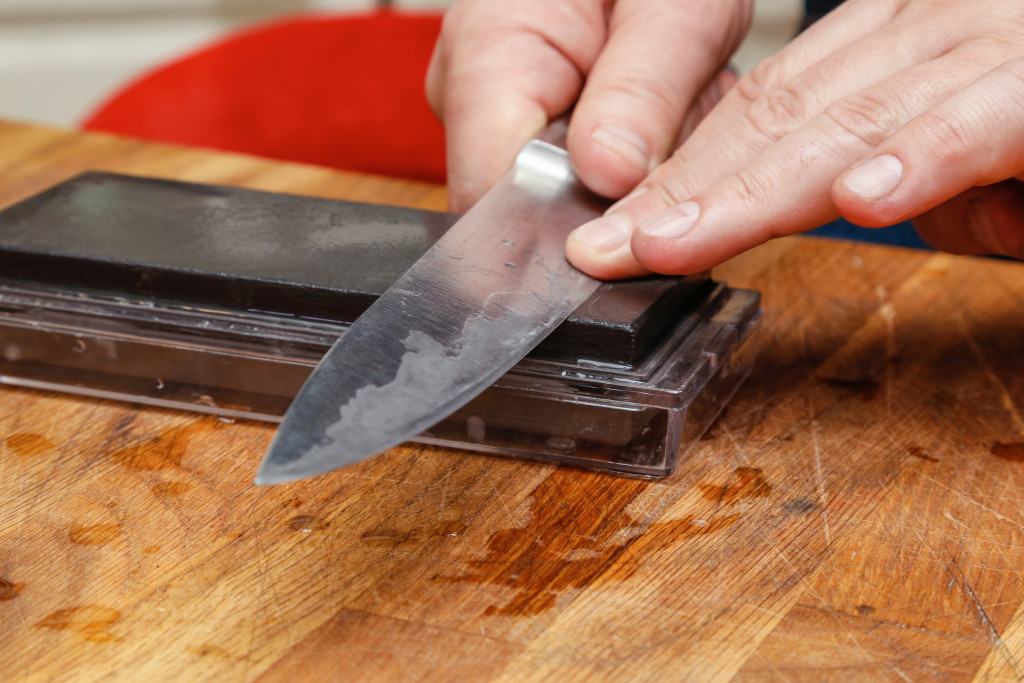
(875, 178)
(672, 223)
(606, 233)
(625, 143)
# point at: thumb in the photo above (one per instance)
(658, 58)
(601, 247)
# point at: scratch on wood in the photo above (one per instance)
(501, 500)
(821, 478)
(738, 449)
(888, 315)
(970, 499)
(906, 654)
(955, 520)
(802, 577)
(954, 570)
(986, 367)
(876, 622)
(899, 673)
(447, 485)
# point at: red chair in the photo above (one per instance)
(344, 92)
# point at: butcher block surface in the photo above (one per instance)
(855, 515)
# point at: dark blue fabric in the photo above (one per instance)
(901, 234)
(816, 9)
(820, 7)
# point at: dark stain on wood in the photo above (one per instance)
(94, 534)
(169, 489)
(89, 621)
(867, 389)
(1008, 451)
(208, 650)
(750, 484)
(865, 609)
(386, 537)
(164, 451)
(919, 452)
(9, 590)
(291, 503)
(800, 506)
(27, 444)
(571, 541)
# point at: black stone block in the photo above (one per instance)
(217, 246)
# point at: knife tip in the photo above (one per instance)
(265, 477)
(278, 469)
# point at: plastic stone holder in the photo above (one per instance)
(222, 300)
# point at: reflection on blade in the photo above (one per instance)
(488, 292)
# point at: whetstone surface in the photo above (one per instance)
(220, 246)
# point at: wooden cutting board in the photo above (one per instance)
(856, 514)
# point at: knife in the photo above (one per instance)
(494, 285)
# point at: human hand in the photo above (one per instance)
(502, 69)
(882, 111)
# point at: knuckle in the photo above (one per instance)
(769, 74)
(946, 132)
(655, 96)
(866, 117)
(777, 113)
(1013, 70)
(755, 193)
(671, 192)
(752, 190)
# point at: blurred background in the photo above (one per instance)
(59, 59)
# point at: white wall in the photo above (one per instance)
(59, 58)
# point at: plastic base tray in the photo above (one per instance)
(652, 381)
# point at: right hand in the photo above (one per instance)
(639, 71)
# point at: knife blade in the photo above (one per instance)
(470, 308)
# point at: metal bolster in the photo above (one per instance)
(541, 165)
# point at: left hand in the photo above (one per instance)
(882, 111)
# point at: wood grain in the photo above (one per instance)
(856, 514)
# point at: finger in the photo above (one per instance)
(602, 249)
(974, 138)
(500, 71)
(826, 40)
(787, 189)
(643, 83)
(772, 162)
(776, 112)
(982, 220)
(707, 101)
